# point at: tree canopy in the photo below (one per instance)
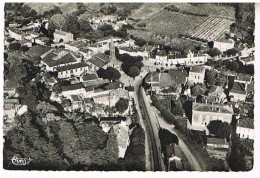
(122, 105)
(219, 129)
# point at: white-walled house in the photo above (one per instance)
(62, 36)
(223, 45)
(245, 128)
(16, 34)
(72, 70)
(203, 113)
(196, 75)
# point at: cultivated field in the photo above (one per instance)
(211, 29)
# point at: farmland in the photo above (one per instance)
(211, 29)
(164, 26)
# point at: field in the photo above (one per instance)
(211, 29)
(66, 8)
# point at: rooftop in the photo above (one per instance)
(68, 58)
(246, 122)
(197, 69)
(37, 50)
(72, 87)
(63, 33)
(75, 97)
(152, 77)
(161, 53)
(72, 66)
(99, 59)
(216, 141)
(217, 108)
(88, 77)
(238, 88)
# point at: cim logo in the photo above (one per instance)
(20, 161)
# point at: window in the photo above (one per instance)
(198, 77)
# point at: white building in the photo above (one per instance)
(204, 113)
(61, 36)
(16, 34)
(72, 70)
(223, 45)
(245, 128)
(196, 74)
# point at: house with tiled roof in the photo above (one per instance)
(58, 58)
(76, 102)
(38, 50)
(16, 34)
(245, 128)
(72, 70)
(213, 142)
(99, 60)
(153, 78)
(196, 74)
(76, 89)
(61, 36)
(41, 40)
(161, 55)
(238, 91)
(177, 78)
(122, 132)
(203, 113)
(216, 94)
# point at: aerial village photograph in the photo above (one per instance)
(128, 86)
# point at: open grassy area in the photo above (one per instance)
(66, 8)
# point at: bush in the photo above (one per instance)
(141, 24)
(14, 46)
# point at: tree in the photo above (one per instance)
(84, 25)
(250, 69)
(33, 13)
(213, 52)
(122, 105)
(232, 51)
(177, 108)
(197, 90)
(112, 74)
(24, 48)
(140, 41)
(210, 77)
(134, 71)
(66, 103)
(233, 65)
(72, 25)
(219, 129)
(14, 46)
(221, 79)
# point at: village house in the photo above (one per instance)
(76, 89)
(11, 107)
(72, 70)
(173, 154)
(217, 148)
(41, 40)
(31, 35)
(217, 143)
(216, 94)
(58, 58)
(161, 55)
(177, 58)
(222, 45)
(196, 75)
(98, 61)
(76, 103)
(172, 82)
(80, 47)
(27, 43)
(245, 128)
(153, 78)
(202, 113)
(122, 132)
(89, 79)
(61, 36)
(107, 122)
(238, 91)
(16, 34)
(38, 50)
